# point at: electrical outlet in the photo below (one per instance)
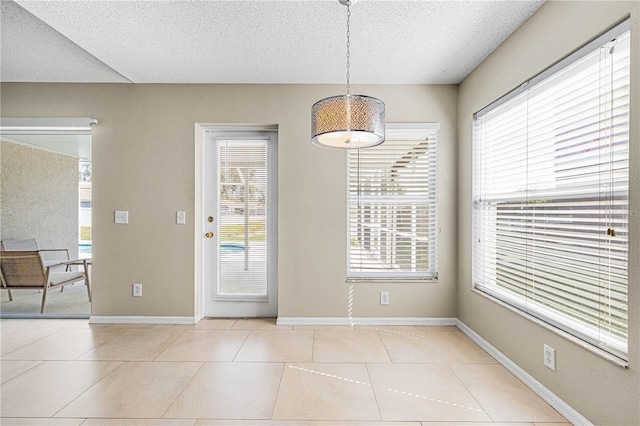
(121, 217)
(384, 297)
(180, 217)
(137, 290)
(549, 357)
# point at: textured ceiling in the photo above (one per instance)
(392, 42)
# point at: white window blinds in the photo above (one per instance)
(551, 184)
(392, 206)
(242, 224)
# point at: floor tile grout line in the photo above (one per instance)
(34, 341)
(460, 349)
(386, 348)
(449, 338)
(186, 385)
(373, 390)
(90, 387)
(84, 353)
(28, 369)
(275, 401)
(241, 345)
(484, 410)
(77, 358)
(232, 325)
(171, 343)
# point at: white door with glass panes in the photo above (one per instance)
(240, 223)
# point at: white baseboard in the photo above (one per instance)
(93, 319)
(552, 399)
(365, 321)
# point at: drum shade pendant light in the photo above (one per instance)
(347, 121)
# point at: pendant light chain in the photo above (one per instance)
(348, 45)
(347, 121)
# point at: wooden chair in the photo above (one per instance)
(31, 244)
(26, 270)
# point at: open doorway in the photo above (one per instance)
(45, 190)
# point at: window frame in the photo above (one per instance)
(527, 307)
(401, 132)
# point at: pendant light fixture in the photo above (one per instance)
(347, 121)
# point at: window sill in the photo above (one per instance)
(241, 298)
(573, 339)
(389, 280)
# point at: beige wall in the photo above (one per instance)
(601, 391)
(143, 161)
(39, 197)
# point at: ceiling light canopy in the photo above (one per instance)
(347, 121)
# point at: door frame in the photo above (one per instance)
(199, 204)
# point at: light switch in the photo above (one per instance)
(122, 216)
(181, 217)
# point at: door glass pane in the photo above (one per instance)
(242, 225)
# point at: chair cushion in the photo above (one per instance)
(20, 245)
(60, 277)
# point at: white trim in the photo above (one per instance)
(198, 219)
(10, 315)
(46, 125)
(411, 131)
(434, 322)
(554, 329)
(399, 132)
(552, 399)
(542, 391)
(201, 129)
(93, 319)
(211, 303)
(235, 127)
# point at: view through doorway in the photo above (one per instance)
(46, 194)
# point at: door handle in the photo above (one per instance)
(209, 234)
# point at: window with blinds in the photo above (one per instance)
(551, 188)
(242, 224)
(392, 206)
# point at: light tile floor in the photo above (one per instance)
(255, 373)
